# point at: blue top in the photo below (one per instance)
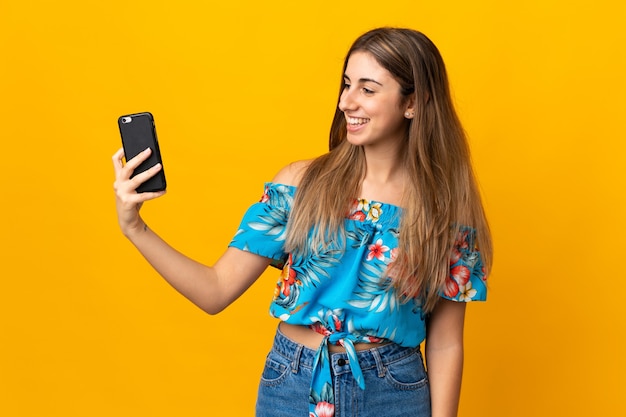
(343, 292)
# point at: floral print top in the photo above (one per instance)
(343, 292)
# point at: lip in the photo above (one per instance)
(355, 128)
(350, 116)
(352, 128)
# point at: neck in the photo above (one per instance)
(385, 177)
(383, 165)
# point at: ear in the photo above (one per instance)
(409, 108)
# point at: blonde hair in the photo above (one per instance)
(443, 195)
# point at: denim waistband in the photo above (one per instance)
(375, 357)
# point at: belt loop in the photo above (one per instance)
(380, 366)
(296, 359)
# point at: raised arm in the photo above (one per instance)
(444, 356)
(210, 288)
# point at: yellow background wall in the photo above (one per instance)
(239, 89)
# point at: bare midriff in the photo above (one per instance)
(311, 339)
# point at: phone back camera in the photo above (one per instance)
(126, 119)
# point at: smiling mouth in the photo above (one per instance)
(356, 121)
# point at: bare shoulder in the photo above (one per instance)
(292, 173)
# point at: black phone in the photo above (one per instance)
(138, 133)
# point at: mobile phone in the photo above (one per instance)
(138, 133)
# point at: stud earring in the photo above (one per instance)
(408, 115)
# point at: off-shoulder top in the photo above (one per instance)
(343, 292)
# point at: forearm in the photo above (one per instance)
(444, 357)
(445, 370)
(195, 281)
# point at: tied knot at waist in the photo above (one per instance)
(322, 357)
(334, 334)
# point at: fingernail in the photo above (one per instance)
(147, 150)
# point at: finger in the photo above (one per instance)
(117, 159)
(124, 185)
(138, 159)
(150, 195)
(145, 175)
(126, 190)
(125, 171)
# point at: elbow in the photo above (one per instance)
(212, 309)
(208, 301)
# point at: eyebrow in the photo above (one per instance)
(363, 80)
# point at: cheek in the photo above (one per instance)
(395, 121)
(391, 114)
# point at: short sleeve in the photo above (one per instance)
(467, 279)
(262, 229)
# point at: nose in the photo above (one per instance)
(346, 101)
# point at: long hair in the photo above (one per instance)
(442, 196)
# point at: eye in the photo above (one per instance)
(368, 91)
(346, 86)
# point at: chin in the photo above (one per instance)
(356, 140)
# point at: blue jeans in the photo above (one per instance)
(396, 384)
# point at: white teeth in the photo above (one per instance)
(357, 120)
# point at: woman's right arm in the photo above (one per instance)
(210, 288)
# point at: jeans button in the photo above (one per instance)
(341, 362)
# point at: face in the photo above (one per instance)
(372, 103)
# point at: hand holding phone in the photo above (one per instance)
(138, 133)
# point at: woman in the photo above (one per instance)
(377, 241)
